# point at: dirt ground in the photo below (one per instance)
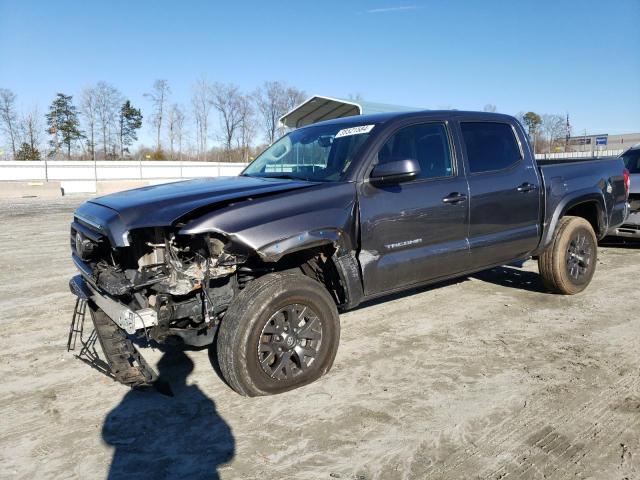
(487, 377)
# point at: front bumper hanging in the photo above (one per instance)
(123, 361)
(129, 320)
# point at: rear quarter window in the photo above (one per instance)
(490, 146)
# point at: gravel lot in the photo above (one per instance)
(486, 377)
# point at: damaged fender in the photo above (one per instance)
(282, 224)
(276, 226)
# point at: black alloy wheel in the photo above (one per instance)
(290, 341)
(579, 256)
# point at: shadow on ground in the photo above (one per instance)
(163, 436)
(619, 242)
(513, 278)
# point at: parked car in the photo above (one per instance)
(631, 227)
(331, 215)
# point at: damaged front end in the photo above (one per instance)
(162, 284)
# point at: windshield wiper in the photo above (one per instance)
(288, 176)
(284, 175)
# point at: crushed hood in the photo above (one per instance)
(163, 205)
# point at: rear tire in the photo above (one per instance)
(568, 264)
(280, 332)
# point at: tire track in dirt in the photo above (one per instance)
(539, 437)
(540, 413)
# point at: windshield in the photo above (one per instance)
(632, 160)
(318, 153)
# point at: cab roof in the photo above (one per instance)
(380, 118)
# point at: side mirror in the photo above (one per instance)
(395, 171)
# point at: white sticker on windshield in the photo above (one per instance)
(345, 132)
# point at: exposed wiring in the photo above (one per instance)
(144, 327)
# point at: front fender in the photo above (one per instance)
(274, 251)
(276, 226)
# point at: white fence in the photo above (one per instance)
(570, 155)
(87, 176)
(113, 170)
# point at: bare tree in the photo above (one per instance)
(108, 101)
(201, 104)
(553, 126)
(292, 98)
(158, 96)
(273, 100)
(31, 126)
(180, 131)
(247, 126)
(88, 109)
(8, 116)
(175, 125)
(225, 99)
(489, 107)
(270, 103)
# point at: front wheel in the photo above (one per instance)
(568, 264)
(281, 332)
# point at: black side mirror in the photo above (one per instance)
(395, 171)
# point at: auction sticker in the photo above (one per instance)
(345, 132)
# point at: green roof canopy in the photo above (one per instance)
(319, 107)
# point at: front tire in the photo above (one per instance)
(281, 332)
(568, 264)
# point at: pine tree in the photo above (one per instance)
(63, 122)
(27, 152)
(129, 121)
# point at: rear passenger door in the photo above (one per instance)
(504, 188)
(414, 231)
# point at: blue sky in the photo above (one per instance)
(581, 57)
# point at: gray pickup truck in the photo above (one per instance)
(327, 217)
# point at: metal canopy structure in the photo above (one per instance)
(319, 108)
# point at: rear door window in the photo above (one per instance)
(490, 146)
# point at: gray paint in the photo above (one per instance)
(387, 237)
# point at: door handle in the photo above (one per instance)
(526, 187)
(455, 197)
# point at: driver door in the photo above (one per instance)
(415, 231)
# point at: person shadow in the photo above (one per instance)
(172, 431)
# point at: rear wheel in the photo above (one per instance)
(568, 264)
(281, 332)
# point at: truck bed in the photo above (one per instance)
(598, 179)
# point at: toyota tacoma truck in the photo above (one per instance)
(342, 211)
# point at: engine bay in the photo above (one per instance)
(185, 282)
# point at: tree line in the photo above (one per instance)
(548, 132)
(102, 123)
